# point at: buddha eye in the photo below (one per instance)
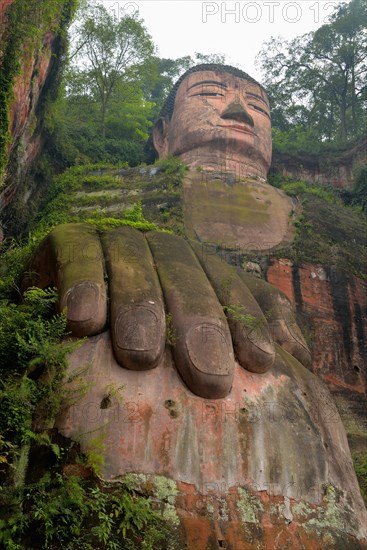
(209, 94)
(257, 108)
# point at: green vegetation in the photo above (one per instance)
(133, 217)
(107, 223)
(360, 467)
(101, 112)
(327, 232)
(239, 313)
(357, 195)
(171, 334)
(112, 91)
(109, 196)
(174, 170)
(33, 364)
(41, 506)
(74, 513)
(316, 83)
(359, 191)
(354, 196)
(27, 22)
(295, 188)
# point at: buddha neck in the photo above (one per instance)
(224, 163)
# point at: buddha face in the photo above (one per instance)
(218, 118)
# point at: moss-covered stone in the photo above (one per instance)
(328, 233)
(246, 214)
(137, 308)
(161, 488)
(101, 192)
(73, 260)
(249, 328)
(203, 350)
(280, 316)
(33, 43)
(249, 506)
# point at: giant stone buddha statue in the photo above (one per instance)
(231, 405)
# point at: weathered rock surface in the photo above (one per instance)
(334, 305)
(245, 215)
(39, 66)
(267, 465)
(211, 499)
(330, 169)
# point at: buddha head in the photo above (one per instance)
(217, 116)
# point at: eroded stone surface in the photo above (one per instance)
(221, 119)
(137, 308)
(203, 349)
(335, 305)
(38, 66)
(211, 309)
(246, 215)
(276, 441)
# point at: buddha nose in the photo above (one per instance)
(236, 111)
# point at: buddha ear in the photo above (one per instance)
(160, 136)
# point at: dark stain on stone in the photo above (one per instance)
(339, 292)
(170, 405)
(275, 469)
(362, 344)
(106, 402)
(296, 281)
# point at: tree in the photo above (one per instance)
(359, 189)
(73, 123)
(113, 90)
(110, 51)
(319, 79)
(101, 114)
(163, 73)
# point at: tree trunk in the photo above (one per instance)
(103, 120)
(343, 121)
(343, 110)
(354, 118)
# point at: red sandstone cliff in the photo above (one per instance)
(328, 168)
(334, 305)
(30, 86)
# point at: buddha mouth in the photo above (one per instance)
(239, 128)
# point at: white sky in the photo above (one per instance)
(237, 29)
